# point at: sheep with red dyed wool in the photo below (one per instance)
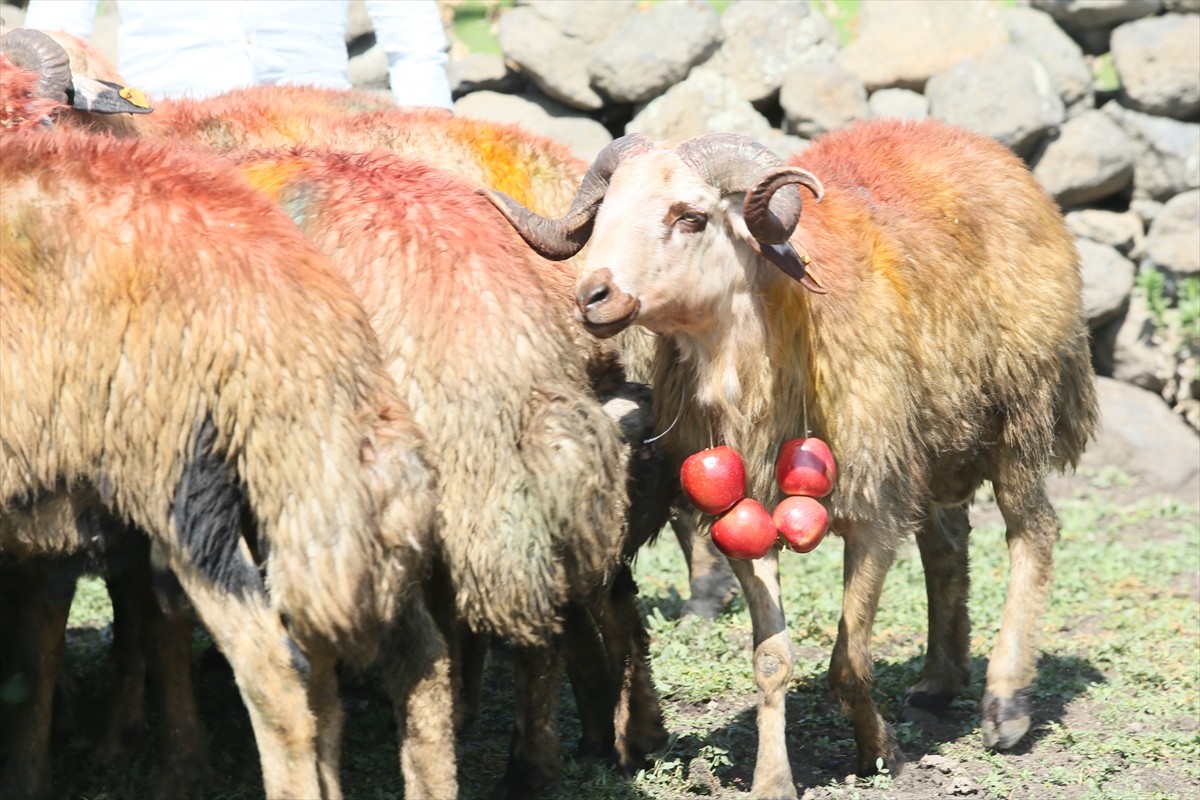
(923, 318)
(533, 493)
(212, 379)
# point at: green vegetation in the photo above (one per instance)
(474, 24)
(1178, 316)
(1117, 703)
(1104, 72)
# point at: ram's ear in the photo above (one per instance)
(792, 264)
(103, 97)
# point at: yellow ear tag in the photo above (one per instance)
(134, 96)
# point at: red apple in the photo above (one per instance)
(805, 467)
(802, 522)
(714, 479)
(745, 531)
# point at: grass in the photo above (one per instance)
(1117, 702)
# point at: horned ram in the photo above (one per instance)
(923, 318)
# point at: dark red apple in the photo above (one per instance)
(802, 522)
(805, 467)
(745, 531)
(714, 479)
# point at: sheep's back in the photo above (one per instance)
(478, 332)
(146, 294)
(954, 293)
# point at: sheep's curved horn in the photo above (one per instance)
(735, 163)
(559, 239)
(781, 220)
(37, 52)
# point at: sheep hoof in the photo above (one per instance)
(935, 703)
(890, 757)
(118, 748)
(1005, 719)
(183, 780)
(711, 594)
(522, 781)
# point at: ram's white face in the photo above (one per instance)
(663, 251)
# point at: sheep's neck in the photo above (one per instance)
(745, 368)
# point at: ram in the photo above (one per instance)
(477, 331)
(923, 318)
(211, 379)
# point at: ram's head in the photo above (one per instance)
(40, 54)
(671, 230)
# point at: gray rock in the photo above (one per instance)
(1107, 281)
(584, 136)
(1146, 208)
(1123, 231)
(1097, 13)
(765, 40)
(654, 50)
(554, 44)
(905, 44)
(1036, 33)
(1137, 358)
(901, 103)
(1158, 61)
(1166, 152)
(479, 72)
(1173, 243)
(820, 97)
(705, 102)
(785, 144)
(1089, 158)
(1140, 435)
(1004, 93)
(1182, 6)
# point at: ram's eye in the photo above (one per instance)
(691, 221)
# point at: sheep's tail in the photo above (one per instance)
(344, 556)
(1077, 408)
(561, 529)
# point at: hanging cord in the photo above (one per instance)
(678, 413)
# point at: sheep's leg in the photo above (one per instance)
(327, 706)
(592, 673)
(533, 752)
(184, 770)
(946, 673)
(711, 583)
(772, 671)
(271, 674)
(467, 649)
(867, 560)
(608, 661)
(467, 663)
(39, 597)
(1032, 533)
(125, 725)
(639, 721)
(416, 666)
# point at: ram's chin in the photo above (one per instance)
(602, 325)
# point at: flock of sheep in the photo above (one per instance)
(281, 356)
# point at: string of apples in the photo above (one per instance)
(715, 481)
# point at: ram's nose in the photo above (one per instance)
(603, 308)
